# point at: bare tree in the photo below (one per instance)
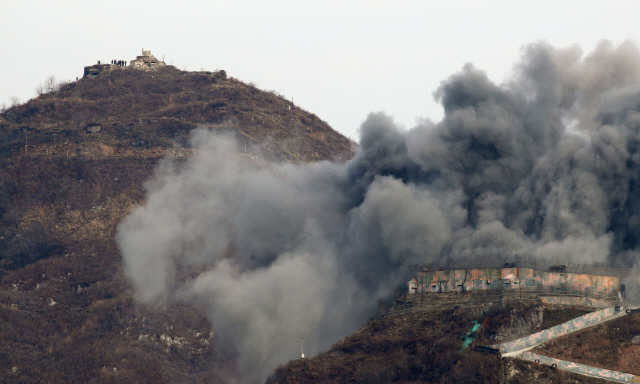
(15, 101)
(50, 84)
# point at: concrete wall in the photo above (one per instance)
(575, 301)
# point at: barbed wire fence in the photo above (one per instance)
(525, 261)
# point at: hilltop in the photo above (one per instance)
(123, 108)
(72, 164)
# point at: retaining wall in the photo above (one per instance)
(483, 300)
(578, 301)
(582, 369)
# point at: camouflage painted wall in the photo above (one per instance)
(577, 301)
(582, 369)
(459, 280)
(553, 332)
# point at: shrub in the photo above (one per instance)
(29, 246)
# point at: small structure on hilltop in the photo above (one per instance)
(93, 128)
(95, 70)
(146, 61)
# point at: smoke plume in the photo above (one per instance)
(546, 164)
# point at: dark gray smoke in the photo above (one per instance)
(546, 164)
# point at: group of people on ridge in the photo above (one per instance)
(121, 63)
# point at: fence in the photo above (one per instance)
(417, 302)
(523, 292)
(527, 261)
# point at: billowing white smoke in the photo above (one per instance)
(547, 164)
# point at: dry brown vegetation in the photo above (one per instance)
(138, 109)
(425, 347)
(66, 310)
(606, 345)
(418, 347)
(525, 372)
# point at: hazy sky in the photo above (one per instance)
(339, 60)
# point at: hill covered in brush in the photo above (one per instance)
(72, 164)
(134, 108)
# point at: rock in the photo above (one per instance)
(635, 340)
